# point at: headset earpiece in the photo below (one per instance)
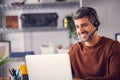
(97, 23)
(93, 17)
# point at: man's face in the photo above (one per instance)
(84, 29)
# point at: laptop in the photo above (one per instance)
(49, 67)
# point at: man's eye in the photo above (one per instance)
(77, 26)
(83, 25)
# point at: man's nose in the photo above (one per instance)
(80, 29)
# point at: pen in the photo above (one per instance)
(10, 72)
(18, 74)
(14, 72)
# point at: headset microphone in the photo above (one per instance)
(91, 34)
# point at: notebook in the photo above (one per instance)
(49, 67)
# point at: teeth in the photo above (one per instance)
(84, 35)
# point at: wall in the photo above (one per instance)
(108, 11)
(0, 19)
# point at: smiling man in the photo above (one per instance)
(95, 57)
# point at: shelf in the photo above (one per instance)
(38, 6)
(35, 29)
(43, 5)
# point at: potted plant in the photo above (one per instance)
(69, 24)
(4, 56)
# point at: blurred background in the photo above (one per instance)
(38, 26)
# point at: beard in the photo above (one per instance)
(85, 36)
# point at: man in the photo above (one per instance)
(95, 57)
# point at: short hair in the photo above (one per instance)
(89, 12)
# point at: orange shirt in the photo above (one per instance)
(98, 62)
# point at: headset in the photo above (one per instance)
(90, 13)
(92, 16)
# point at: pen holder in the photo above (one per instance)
(15, 78)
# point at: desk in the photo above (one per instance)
(4, 78)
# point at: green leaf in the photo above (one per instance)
(4, 61)
(71, 27)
